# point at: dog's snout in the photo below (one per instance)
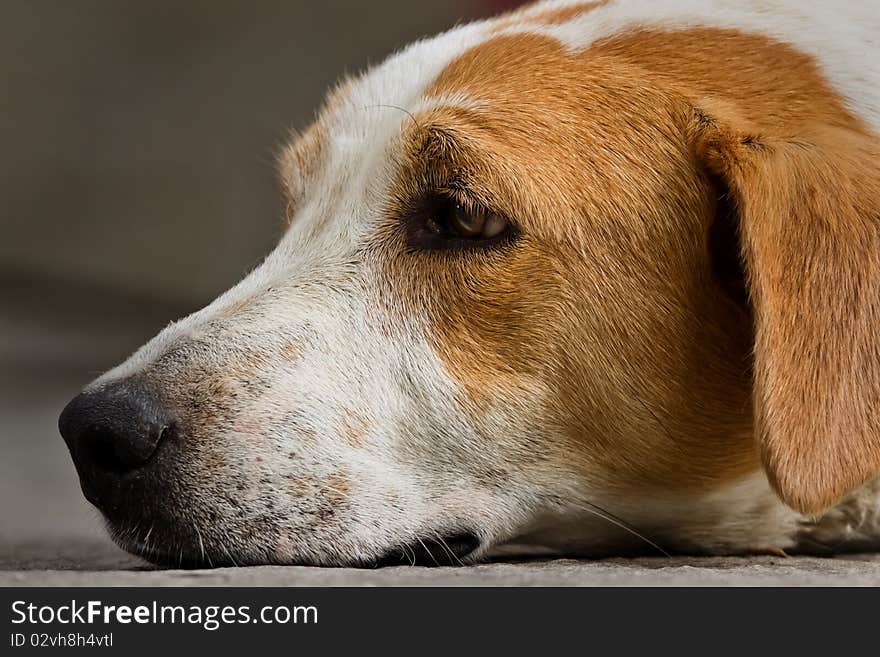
(112, 432)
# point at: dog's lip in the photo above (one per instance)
(432, 551)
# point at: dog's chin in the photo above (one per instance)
(178, 551)
(170, 551)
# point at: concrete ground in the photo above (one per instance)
(93, 563)
(49, 535)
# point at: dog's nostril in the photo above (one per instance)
(110, 452)
(447, 551)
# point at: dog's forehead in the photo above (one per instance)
(369, 111)
(343, 158)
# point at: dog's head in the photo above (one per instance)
(522, 286)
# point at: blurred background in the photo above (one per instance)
(137, 182)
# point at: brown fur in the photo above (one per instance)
(607, 298)
(810, 224)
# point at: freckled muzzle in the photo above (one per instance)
(141, 468)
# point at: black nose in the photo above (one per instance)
(112, 432)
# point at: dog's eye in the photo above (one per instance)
(451, 219)
(440, 222)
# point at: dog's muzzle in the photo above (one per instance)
(126, 445)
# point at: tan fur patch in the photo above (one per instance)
(298, 162)
(292, 349)
(355, 428)
(337, 488)
(298, 486)
(771, 87)
(809, 219)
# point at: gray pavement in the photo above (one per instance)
(95, 563)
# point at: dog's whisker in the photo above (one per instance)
(400, 109)
(430, 554)
(600, 512)
(229, 554)
(448, 550)
(201, 543)
(410, 555)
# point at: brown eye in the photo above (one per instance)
(473, 222)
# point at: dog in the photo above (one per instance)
(585, 279)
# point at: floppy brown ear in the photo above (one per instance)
(808, 214)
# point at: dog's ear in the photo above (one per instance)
(807, 212)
